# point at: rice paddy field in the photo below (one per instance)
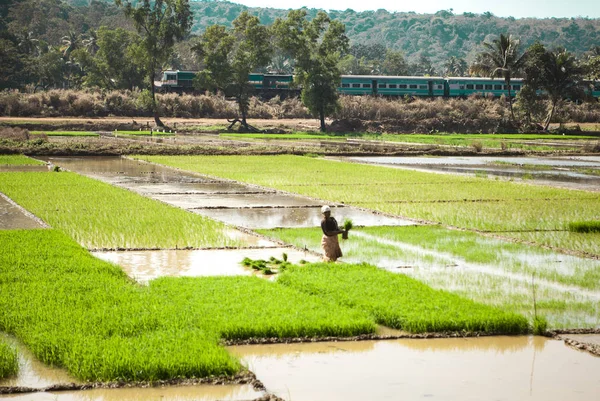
(478, 268)
(517, 210)
(65, 133)
(99, 215)
(493, 141)
(18, 160)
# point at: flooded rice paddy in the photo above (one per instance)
(13, 217)
(144, 266)
(488, 368)
(576, 172)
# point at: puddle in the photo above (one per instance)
(168, 393)
(482, 161)
(32, 372)
(489, 368)
(235, 200)
(114, 169)
(557, 175)
(297, 217)
(190, 188)
(13, 217)
(144, 266)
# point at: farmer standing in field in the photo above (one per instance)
(331, 230)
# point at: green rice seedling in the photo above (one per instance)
(99, 215)
(284, 256)
(540, 325)
(18, 160)
(78, 312)
(585, 226)
(347, 224)
(246, 262)
(65, 133)
(9, 361)
(398, 301)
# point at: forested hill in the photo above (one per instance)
(438, 36)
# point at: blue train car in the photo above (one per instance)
(465, 86)
(391, 85)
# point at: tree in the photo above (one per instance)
(316, 47)
(160, 23)
(91, 42)
(560, 79)
(230, 56)
(70, 42)
(501, 59)
(456, 67)
(528, 99)
(394, 63)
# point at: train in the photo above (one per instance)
(269, 85)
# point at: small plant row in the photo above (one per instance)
(99, 215)
(9, 361)
(271, 266)
(585, 226)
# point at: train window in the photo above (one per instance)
(461, 86)
(439, 86)
(356, 85)
(413, 86)
(345, 85)
(382, 86)
(469, 86)
(402, 86)
(498, 87)
(171, 77)
(479, 86)
(505, 87)
(488, 87)
(366, 85)
(422, 86)
(517, 87)
(392, 86)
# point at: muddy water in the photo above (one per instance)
(147, 265)
(553, 171)
(492, 368)
(191, 188)
(235, 200)
(116, 169)
(32, 372)
(170, 393)
(13, 217)
(297, 217)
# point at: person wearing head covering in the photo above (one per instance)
(330, 242)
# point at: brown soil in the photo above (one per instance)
(241, 378)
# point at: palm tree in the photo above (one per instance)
(501, 59)
(561, 78)
(455, 67)
(70, 42)
(91, 43)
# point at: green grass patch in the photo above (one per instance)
(398, 301)
(18, 160)
(467, 202)
(585, 226)
(483, 269)
(9, 362)
(64, 133)
(292, 136)
(78, 312)
(99, 215)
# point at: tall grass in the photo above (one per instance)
(9, 361)
(18, 160)
(99, 215)
(84, 314)
(399, 301)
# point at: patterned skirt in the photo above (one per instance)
(331, 248)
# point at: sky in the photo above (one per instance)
(501, 8)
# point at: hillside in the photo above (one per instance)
(438, 36)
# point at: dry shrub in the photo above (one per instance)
(14, 134)
(259, 109)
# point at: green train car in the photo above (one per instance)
(391, 85)
(463, 87)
